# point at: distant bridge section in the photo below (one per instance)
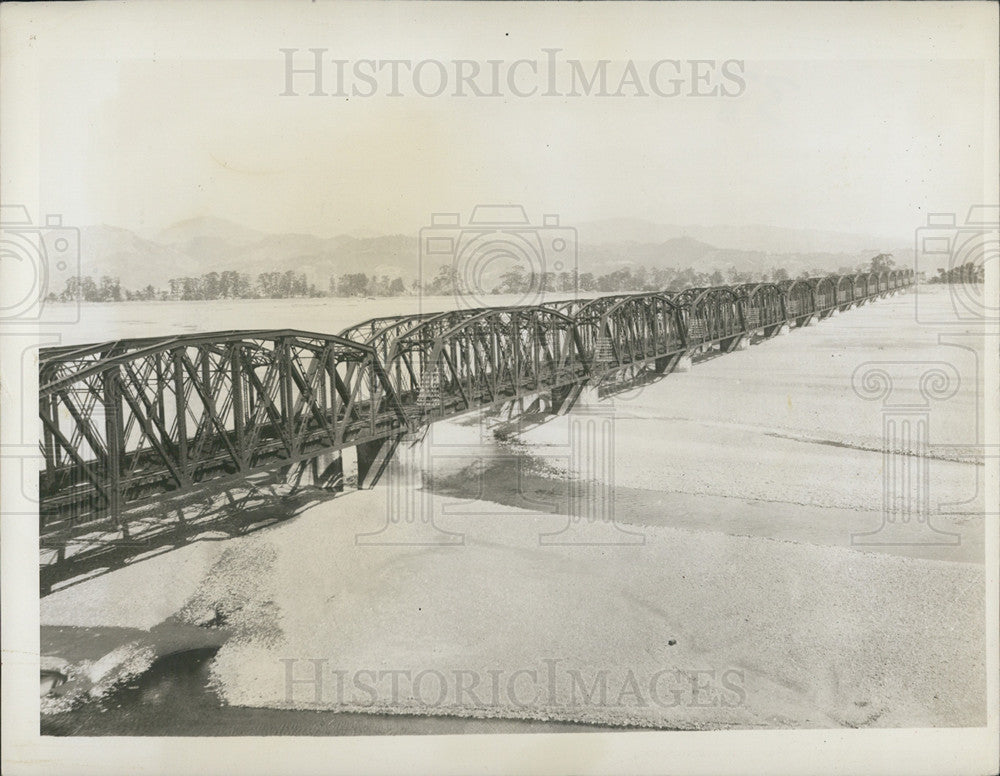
(126, 424)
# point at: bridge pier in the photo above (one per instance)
(739, 342)
(684, 363)
(564, 397)
(325, 471)
(743, 344)
(373, 458)
(669, 364)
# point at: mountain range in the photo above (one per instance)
(201, 245)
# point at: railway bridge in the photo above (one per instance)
(130, 424)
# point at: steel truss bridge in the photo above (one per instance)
(130, 423)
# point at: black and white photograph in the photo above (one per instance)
(486, 387)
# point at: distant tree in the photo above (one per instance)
(211, 287)
(444, 282)
(514, 281)
(353, 284)
(567, 281)
(110, 290)
(881, 263)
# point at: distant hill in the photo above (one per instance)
(211, 229)
(755, 237)
(206, 245)
(201, 245)
(108, 250)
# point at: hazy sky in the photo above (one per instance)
(855, 117)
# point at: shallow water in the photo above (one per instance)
(174, 698)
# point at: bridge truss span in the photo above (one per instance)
(126, 424)
(500, 355)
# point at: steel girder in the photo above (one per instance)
(882, 280)
(873, 286)
(378, 332)
(569, 306)
(588, 317)
(409, 346)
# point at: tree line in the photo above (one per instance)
(976, 274)
(516, 280)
